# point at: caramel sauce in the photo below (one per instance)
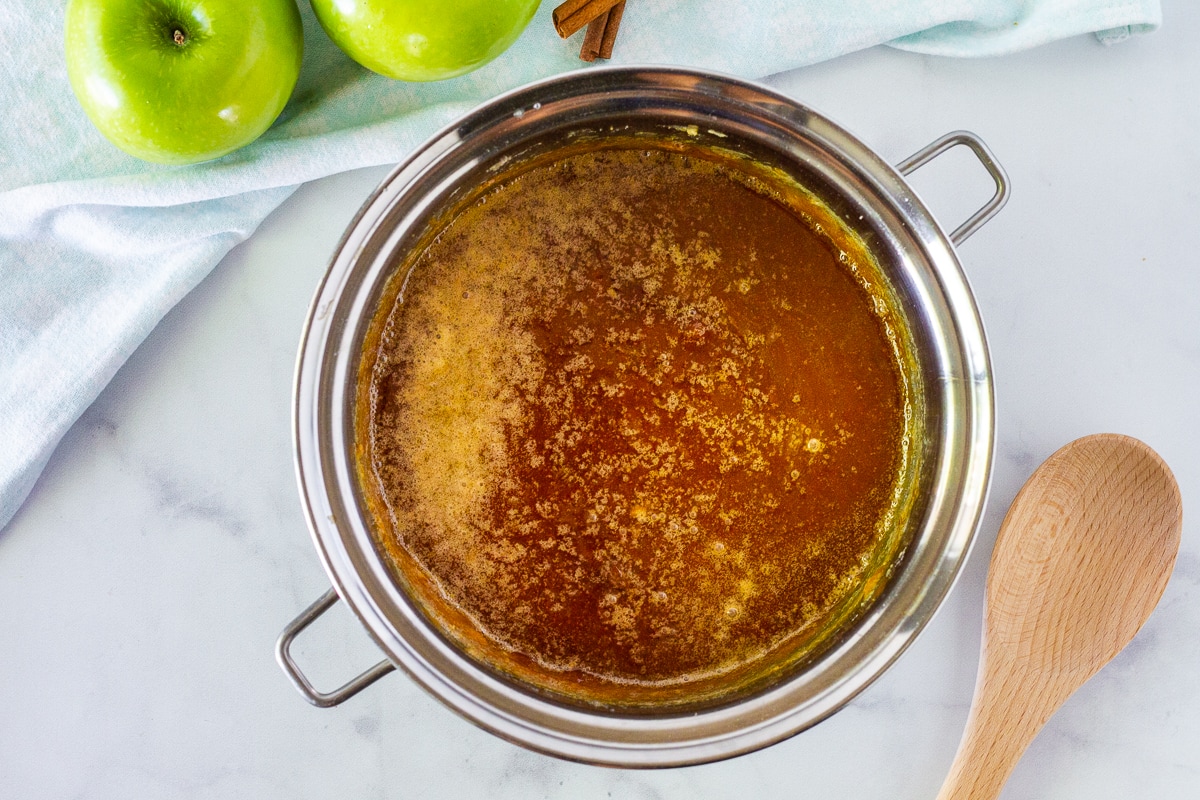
(640, 420)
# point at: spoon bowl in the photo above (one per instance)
(1081, 560)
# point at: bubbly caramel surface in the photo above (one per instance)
(636, 418)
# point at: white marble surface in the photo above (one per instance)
(144, 582)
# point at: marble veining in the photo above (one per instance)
(179, 500)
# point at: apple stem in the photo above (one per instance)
(179, 37)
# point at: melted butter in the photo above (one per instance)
(638, 422)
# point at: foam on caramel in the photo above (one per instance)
(637, 419)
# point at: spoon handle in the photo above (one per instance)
(1006, 715)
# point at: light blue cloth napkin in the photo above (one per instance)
(96, 246)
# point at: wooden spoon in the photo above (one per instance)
(1080, 562)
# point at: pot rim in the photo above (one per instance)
(617, 738)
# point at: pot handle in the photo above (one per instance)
(283, 654)
(981, 151)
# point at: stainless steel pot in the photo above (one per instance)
(875, 201)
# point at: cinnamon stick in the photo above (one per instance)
(610, 29)
(572, 15)
(601, 34)
(594, 38)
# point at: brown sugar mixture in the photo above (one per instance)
(637, 419)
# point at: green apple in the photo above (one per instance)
(181, 81)
(423, 40)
